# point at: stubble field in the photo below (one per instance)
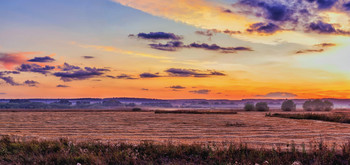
(252, 128)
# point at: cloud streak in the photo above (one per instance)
(319, 48)
(121, 51)
(122, 76)
(157, 36)
(175, 45)
(88, 57)
(178, 72)
(149, 75)
(201, 91)
(62, 86)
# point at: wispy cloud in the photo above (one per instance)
(88, 57)
(9, 60)
(201, 91)
(199, 13)
(31, 83)
(121, 51)
(178, 72)
(316, 48)
(175, 45)
(278, 95)
(4, 75)
(122, 76)
(309, 51)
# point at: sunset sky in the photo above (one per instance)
(213, 49)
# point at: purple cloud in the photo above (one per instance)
(158, 36)
(202, 91)
(122, 76)
(294, 15)
(267, 28)
(71, 72)
(67, 67)
(62, 86)
(149, 75)
(169, 46)
(42, 59)
(177, 72)
(35, 68)
(175, 45)
(31, 83)
(9, 79)
(88, 57)
(177, 87)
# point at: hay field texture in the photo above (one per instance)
(252, 128)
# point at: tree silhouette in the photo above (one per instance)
(261, 106)
(288, 105)
(328, 105)
(249, 106)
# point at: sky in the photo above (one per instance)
(175, 49)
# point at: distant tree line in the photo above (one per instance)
(61, 104)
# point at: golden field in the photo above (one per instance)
(252, 128)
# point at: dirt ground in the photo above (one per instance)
(252, 128)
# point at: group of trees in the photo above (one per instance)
(318, 105)
(289, 105)
(260, 106)
(309, 105)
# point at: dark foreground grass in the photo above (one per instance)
(197, 112)
(65, 152)
(339, 118)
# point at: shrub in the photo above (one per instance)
(136, 109)
(58, 152)
(288, 105)
(262, 106)
(249, 106)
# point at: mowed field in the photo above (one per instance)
(252, 128)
